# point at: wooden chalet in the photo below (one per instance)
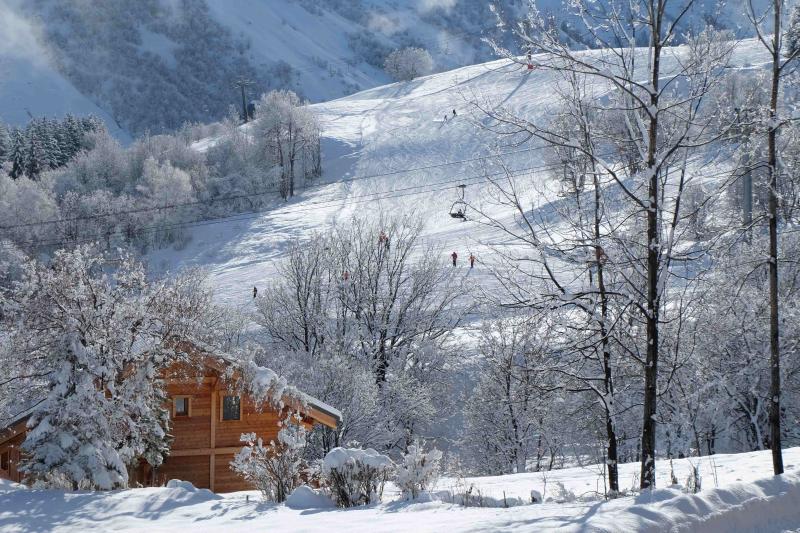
(208, 418)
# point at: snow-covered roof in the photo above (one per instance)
(319, 405)
(265, 384)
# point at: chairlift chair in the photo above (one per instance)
(459, 207)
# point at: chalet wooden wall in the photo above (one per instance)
(203, 443)
(12, 447)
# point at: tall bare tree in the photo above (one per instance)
(656, 95)
(779, 63)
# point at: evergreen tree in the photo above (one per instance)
(18, 155)
(52, 149)
(36, 161)
(5, 144)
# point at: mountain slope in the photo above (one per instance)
(30, 85)
(389, 150)
(153, 65)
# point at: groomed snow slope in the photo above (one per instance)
(742, 498)
(390, 150)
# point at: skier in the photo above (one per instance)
(445, 118)
(383, 239)
(346, 275)
(255, 292)
(455, 258)
(454, 112)
(472, 260)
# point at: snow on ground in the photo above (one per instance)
(738, 495)
(398, 150)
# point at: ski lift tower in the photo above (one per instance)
(240, 84)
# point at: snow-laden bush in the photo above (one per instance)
(408, 63)
(304, 497)
(355, 476)
(418, 471)
(694, 481)
(562, 494)
(274, 469)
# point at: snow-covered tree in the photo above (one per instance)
(417, 470)
(506, 413)
(771, 20)
(275, 469)
(87, 335)
(288, 133)
(408, 63)
(651, 129)
(5, 144)
(354, 302)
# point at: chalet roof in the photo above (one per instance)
(220, 361)
(223, 360)
(322, 406)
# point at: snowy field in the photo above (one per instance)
(738, 495)
(390, 151)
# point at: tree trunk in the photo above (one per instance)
(772, 164)
(611, 436)
(648, 471)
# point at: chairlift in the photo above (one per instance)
(459, 207)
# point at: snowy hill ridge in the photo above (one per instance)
(61, 56)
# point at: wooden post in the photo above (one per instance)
(213, 439)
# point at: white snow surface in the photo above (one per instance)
(398, 150)
(739, 495)
(338, 458)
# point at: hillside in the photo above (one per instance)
(389, 150)
(154, 65)
(30, 84)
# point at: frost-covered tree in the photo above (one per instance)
(507, 413)
(17, 154)
(793, 33)
(408, 63)
(86, 336)
(653, 126)
(5, 144)
(275, 469)
(288, 134)
(353, 301)
(781, 40)
(417, 470)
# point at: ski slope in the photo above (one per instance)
(738, 495)
(390, 150)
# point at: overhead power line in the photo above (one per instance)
(309, 206)
(211, 201)
(313, 206)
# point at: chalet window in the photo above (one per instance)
(231, 408)
(180, 406)
(4, 461)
